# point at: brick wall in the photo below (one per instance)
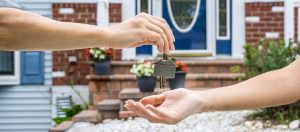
(83, 13)
(262, 22)
(265, 20)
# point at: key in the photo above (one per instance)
(164, 68)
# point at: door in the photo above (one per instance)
(187, 19)
(32, 67)
(146, 7)
(223, 26)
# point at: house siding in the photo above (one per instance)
(25, 108)
(28, 108)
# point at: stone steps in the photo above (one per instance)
(91, 116)
(108, 87)
(113, 108)
(108, 93)
(195, 66)
(108, 108)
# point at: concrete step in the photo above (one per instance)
(195, 66)
(91, 116)
(63, 127)
(108, 108)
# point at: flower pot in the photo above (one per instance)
(178, 81)
(102, 67)
(146, 84)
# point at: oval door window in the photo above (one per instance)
(184, 13)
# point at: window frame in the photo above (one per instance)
(228, 25)
(13, 79)
(139, 7)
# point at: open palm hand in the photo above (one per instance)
(169, 107)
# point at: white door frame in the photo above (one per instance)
(238, 38)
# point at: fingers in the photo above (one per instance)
(165, 31)
(157, 111)
(160, 26)
(156, 38)
(153, 100)
(140, 110)
(164, 37)
(168, 29)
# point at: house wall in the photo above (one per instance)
(27, 108)
(265, 20)
(82, 13)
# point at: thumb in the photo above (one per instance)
(153, 99)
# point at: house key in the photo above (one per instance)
(164, 68)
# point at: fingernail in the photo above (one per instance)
(126, 106)
(174, 38)
(147, 106)
(173, 47)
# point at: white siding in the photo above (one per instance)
(42, 7)
(25, 108)
(28, 108)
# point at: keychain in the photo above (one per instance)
(164, 68)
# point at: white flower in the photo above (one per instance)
(142, 68)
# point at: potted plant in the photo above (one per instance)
(144, 72)
(180, 76)
(102, 58)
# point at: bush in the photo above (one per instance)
(70, 112)
(267, 56)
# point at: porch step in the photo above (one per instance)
(108, 108)
(195, 66)
(91, 116)
(109, 87)
(193, 80)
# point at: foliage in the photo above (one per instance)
(74, 109)
(268, 56)
(100, 54)
(70, 112)
(143, 68)
(180, 66)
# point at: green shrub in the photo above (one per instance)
(267, 56)
(70, 112)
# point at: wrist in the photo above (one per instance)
(203, 101)
(102, 37)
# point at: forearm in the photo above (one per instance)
(269, 89)
(20, 30)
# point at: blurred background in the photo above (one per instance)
(214, 38)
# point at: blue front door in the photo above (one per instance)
(187, 19)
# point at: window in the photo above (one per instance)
(184, 13)
(144, 6)
(9, 68)
(223, 19)
(6, 63)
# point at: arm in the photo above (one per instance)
(21, 30)
(270, 89)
